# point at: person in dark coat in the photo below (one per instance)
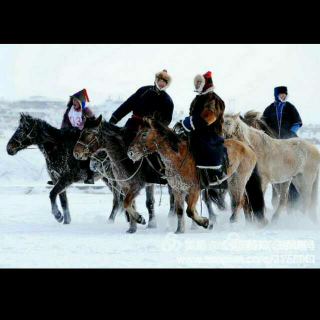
(75, 117)
(205, 126)
(282, 116)
(148, 101)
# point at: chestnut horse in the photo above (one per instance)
(183, 176)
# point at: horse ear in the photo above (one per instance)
(98, 120)
(236, 116)
(23, 117)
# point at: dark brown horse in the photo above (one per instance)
(183, 176)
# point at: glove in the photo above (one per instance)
(113, 120)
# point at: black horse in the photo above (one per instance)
(57, 147)
(131, 177)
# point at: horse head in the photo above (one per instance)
(145, 141)
(231, 125)
(88, 142)
(24, 136)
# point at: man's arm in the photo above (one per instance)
(125, 108)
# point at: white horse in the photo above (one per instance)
(281, 162)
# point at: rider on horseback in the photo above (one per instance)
(75, 117)
(148, 101)
(205, 125)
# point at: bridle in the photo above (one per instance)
(86, 146)
(27, 136)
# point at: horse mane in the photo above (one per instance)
(165, 132)
(253, 119)
(50, 133)
(243, 130)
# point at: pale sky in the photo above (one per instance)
(244, 75)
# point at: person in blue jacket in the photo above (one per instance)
(148, 101)
(282, 116)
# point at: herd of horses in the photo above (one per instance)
(256, 158)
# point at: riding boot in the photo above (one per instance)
(90, 179)
(50, 182)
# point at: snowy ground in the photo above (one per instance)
(30, 237)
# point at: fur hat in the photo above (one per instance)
(206, 82)
(82, 97)
(163, 75)
(279, 90)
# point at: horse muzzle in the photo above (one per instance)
(11, 150)
(134, 156)
(79, 156)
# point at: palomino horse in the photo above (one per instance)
(254, 119)
(57, 147)
(182, 173)
(131, 177)
(281, 162)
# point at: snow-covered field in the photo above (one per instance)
(30, 237)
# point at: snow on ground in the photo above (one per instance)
(30, 237)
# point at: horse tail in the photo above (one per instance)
(217, 198)
(255, 195)
(314, 193)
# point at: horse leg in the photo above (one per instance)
(65, 207)
(116, 205)
(172, 208)
(208, 203)
(171, 214)
(58, 188)
(191, 200)
(247, 210)
(130, 208)
(283, 189)
(179, 210)
(194, 225)
(152, 224)
(275, 198)
(236, 191)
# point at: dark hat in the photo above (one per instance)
(82, 97)
(279, 90)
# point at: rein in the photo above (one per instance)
(27, 136)
(146, 152)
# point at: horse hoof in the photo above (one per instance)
(152, 224)
(274, 218)
(233, 219)
(141, 220)
(131, 230)
(66, 221)
(59, 218)
(110, 221)
(179, 232)
(262, 223)
(210, 227)
(206, 223)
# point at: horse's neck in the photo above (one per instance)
(257, 139)
(169, 157)
(114, 146)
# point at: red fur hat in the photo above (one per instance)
(208, 80)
